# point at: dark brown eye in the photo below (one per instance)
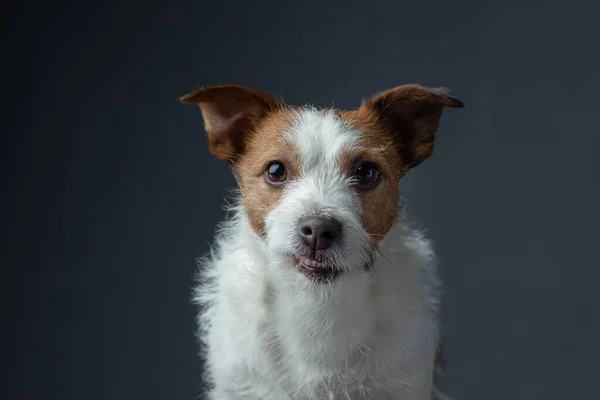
(276, 173)
(367, 174)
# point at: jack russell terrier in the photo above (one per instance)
(318, 286)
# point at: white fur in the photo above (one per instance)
(270, 333)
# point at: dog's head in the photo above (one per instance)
(320, 187)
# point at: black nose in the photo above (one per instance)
(319, 232)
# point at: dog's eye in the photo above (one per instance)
(276, 173)
(367, 174)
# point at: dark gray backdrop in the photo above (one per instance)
(111, 193)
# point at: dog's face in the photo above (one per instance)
(320, 187)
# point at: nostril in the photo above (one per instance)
(329, 235)
(306, 230)
(331, 230)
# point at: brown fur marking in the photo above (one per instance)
(380, 203)
(265, 145)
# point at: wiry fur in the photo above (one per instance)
(270, 333)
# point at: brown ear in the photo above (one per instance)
(412, 113)
(230, 112)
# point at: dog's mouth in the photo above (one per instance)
(316, 270)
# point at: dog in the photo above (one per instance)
(319, 286)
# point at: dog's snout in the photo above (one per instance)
(319, 232)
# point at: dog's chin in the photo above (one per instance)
(316, 271)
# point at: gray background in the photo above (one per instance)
(111, 193)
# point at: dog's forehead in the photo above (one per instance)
(320, 136)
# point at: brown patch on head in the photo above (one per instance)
(380, 203)
(398, 128)
(267, 144)
(245, 129)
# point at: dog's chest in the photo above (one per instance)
(318, 367)
(328, 328)
(328, 347)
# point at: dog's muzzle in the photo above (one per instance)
(317, 234)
